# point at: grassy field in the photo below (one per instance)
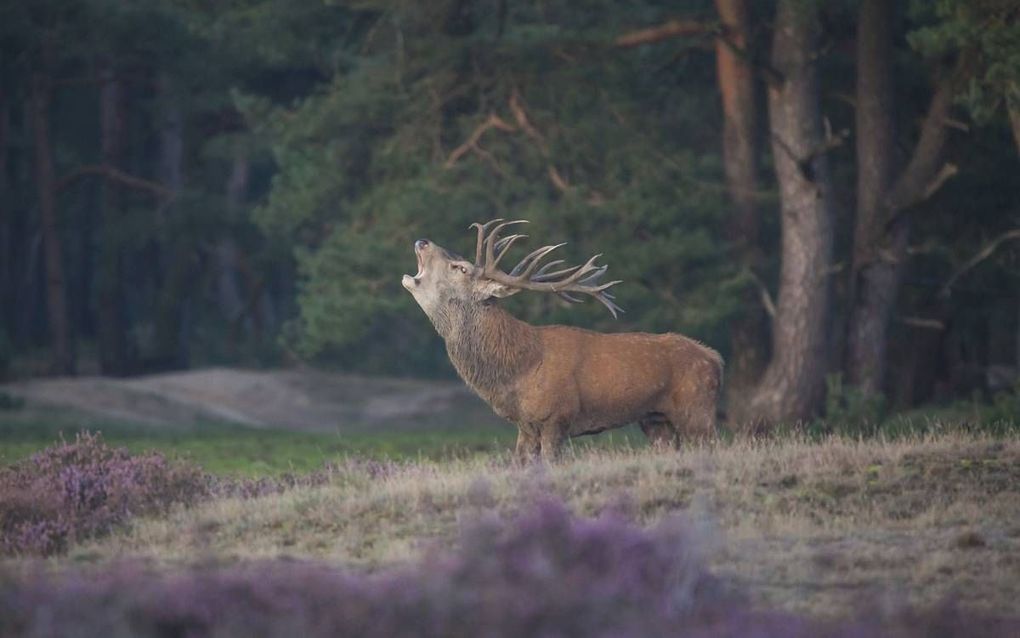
(815, 527)
(806, 522)
(236, 450)
(229, 449)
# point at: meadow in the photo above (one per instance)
(908, 529)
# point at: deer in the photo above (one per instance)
(558, 382)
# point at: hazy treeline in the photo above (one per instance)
(813, 188)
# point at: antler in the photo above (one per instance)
(527, 275)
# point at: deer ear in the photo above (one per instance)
(488, 288)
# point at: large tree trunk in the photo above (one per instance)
(793, 383)
(227, 255)
(1014, 123)
(6, 225)
(112, 328)
(749, 333)
(883, 221)
(62, 355)
(171, 340)
(875, 275)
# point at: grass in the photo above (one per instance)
(808, 522)
(244, 451)
(241, 451)
(809, 526)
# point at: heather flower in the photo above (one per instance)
(73, 491)
(543, 572)
(70, 492)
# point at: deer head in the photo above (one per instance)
(446, 280)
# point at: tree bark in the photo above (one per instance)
(793, 384)
(112, 328)
(171, 342)
(666, 30)
(875, 276)
(62, 355)
(230, 299)
(748, 334)
(882, 226)
(6, 225)
(1014, 124)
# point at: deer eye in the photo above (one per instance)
(463, 270)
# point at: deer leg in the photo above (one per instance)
(693, 424)
(528, 444)
(660, 432)
(552, 442)
(701, 423)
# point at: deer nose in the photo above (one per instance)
(421, 243)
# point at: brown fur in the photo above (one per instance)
(556, 382)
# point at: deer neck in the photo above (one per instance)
(490, 349)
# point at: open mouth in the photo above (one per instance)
(421, 264)
(410, 282)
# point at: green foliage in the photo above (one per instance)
(608, 157)
(1005, 406)
(988, 32)
(849, 410)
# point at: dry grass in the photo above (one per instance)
(812, 527)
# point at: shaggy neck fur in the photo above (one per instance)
(488, 346)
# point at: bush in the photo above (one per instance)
(849, 410)
(1004, 409)
(73, 491)
(543, 572)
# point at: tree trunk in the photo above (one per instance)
(794, 382)
(748, 334)
(883, 226)
(230, 299)
(6, 226)
(875, 277)
(112, 328)
(62, 355)
(171, 342)
(1014, 123)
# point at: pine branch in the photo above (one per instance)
(923, 175)
(117, 175)
(683, 28)
(493, 121)
(766, 297)
(664, 31)
(986, 251)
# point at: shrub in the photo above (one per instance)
(1004, 410)
(79, 490)
(849, 410)
(74, 491)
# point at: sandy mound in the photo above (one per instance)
(296, 399)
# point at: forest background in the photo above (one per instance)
(826, 192)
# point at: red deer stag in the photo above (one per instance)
(556, 382)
